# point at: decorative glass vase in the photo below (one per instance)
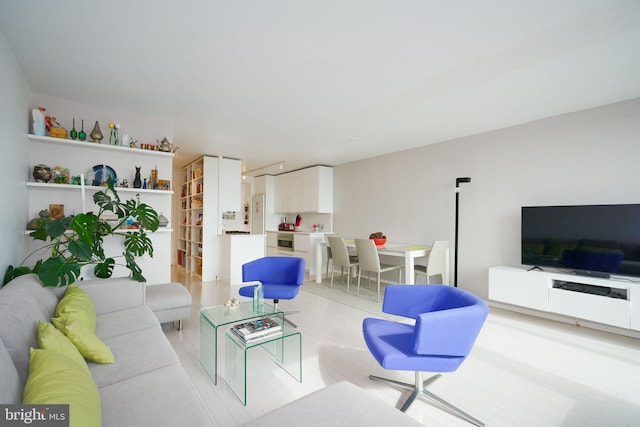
(73, 133)
(82, 135)
(114, 137)
(96, 133)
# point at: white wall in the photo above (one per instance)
(588, 157)
(14, 162)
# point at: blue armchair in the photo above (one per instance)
(281, 277)
(447, 323)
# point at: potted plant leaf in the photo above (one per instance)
(78, 240)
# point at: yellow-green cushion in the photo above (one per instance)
(77, 304)
(50, 338)
(89, 345)
(56, 379)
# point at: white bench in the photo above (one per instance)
(170, 302)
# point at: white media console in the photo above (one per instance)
(604, 301)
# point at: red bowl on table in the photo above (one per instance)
(380, 242)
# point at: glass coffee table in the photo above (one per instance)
(212, 318)
(285, 350)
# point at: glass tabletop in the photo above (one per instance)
(222, 315)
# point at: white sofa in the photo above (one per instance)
(146, 386)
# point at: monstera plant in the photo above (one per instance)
(78, 240)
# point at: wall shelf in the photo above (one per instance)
(94, 188)
(97, 146)
(80, 157)
(159, 230)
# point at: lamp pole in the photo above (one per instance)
(455, 256)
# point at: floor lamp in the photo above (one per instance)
(455, 250)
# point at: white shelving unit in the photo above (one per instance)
(80, 157)
(211, 185)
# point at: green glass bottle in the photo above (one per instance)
(73, 133)
(82, 135)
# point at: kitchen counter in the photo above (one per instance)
(301, 232)
(304, 246)
(238, 249)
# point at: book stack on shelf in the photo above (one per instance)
(256, 330)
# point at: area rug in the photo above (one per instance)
(366, 301)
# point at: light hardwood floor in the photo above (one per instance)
(523, 371)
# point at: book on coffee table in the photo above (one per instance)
(257, 329)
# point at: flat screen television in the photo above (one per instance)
(598, 240)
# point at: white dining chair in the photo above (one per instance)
(436, 265)
(329, 253)
(369, 261)
(341, 258)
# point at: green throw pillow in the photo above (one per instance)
(50, 338)
(89, 345)
(56, 379)
(77, 304)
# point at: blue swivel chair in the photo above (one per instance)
(447, 323)
(281, 278)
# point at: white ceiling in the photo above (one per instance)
(328, 82)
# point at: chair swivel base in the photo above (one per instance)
(275, 307)
(418, 390)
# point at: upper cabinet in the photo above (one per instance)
(317, 185)
(289, 192)
(305, 190)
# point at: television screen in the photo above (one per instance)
(590, 239)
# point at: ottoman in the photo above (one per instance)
(170, 302)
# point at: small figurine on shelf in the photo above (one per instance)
(144, 184)
(60, 175)
(54, 128)
(137, 182)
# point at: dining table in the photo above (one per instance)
(408, 251)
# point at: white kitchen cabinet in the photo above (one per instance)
(272, 239)
(304, 246)
(80, 157)
(289, 192)
(317, 185)
(306, 190)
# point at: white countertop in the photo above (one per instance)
(299, 232)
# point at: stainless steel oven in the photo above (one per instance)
(285, 241)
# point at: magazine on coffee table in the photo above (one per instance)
(257, 329)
